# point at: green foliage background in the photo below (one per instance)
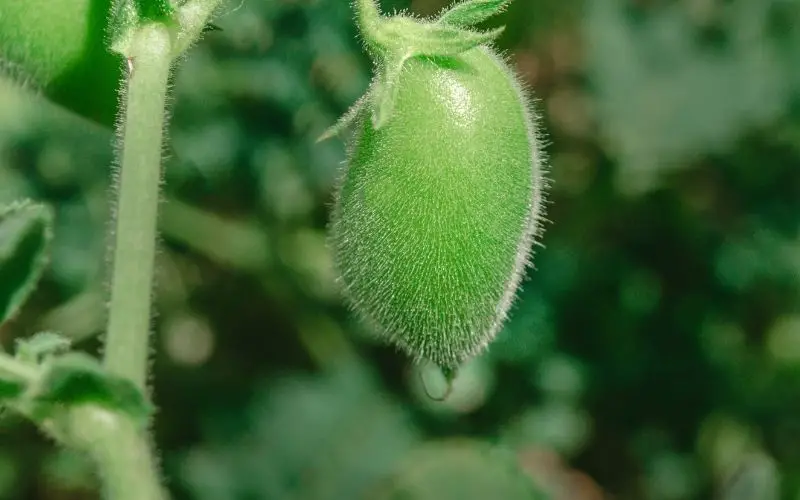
(655, 349)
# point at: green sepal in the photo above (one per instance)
(41, 346)
(122, 24)
(407, 35)
(394, 40)
(77, 378)
(346, 119)
(129, 15)
(472, 12)
(385, 91)
(407, 38)
(25, 234)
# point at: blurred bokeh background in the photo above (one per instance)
(654, 352)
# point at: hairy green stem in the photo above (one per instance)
(127, 467)
(15, 369)
(126, 346)
(121, 451)
(192, 19)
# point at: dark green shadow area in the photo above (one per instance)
(19, 272)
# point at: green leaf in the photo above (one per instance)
(41, 346)
(78, 378)
(291, 428)
(122, 25)
(25, 234)
(472, 12)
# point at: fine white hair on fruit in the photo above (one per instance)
(442, 196)
(420, 259)
(20, 76)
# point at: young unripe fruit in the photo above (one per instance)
(70, 49)
(59, 47)
(436, 213)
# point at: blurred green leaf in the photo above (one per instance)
(41, 346)
(25, 234)
(554, 425)
(309, 438)
(756, 477)
(77, 378)
(664, 96)
(465, 470)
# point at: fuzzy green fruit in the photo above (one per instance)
(436, 212)
(58, 46)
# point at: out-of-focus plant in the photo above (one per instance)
(652, 354)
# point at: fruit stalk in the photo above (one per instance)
(123, 457)
(126, 347)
